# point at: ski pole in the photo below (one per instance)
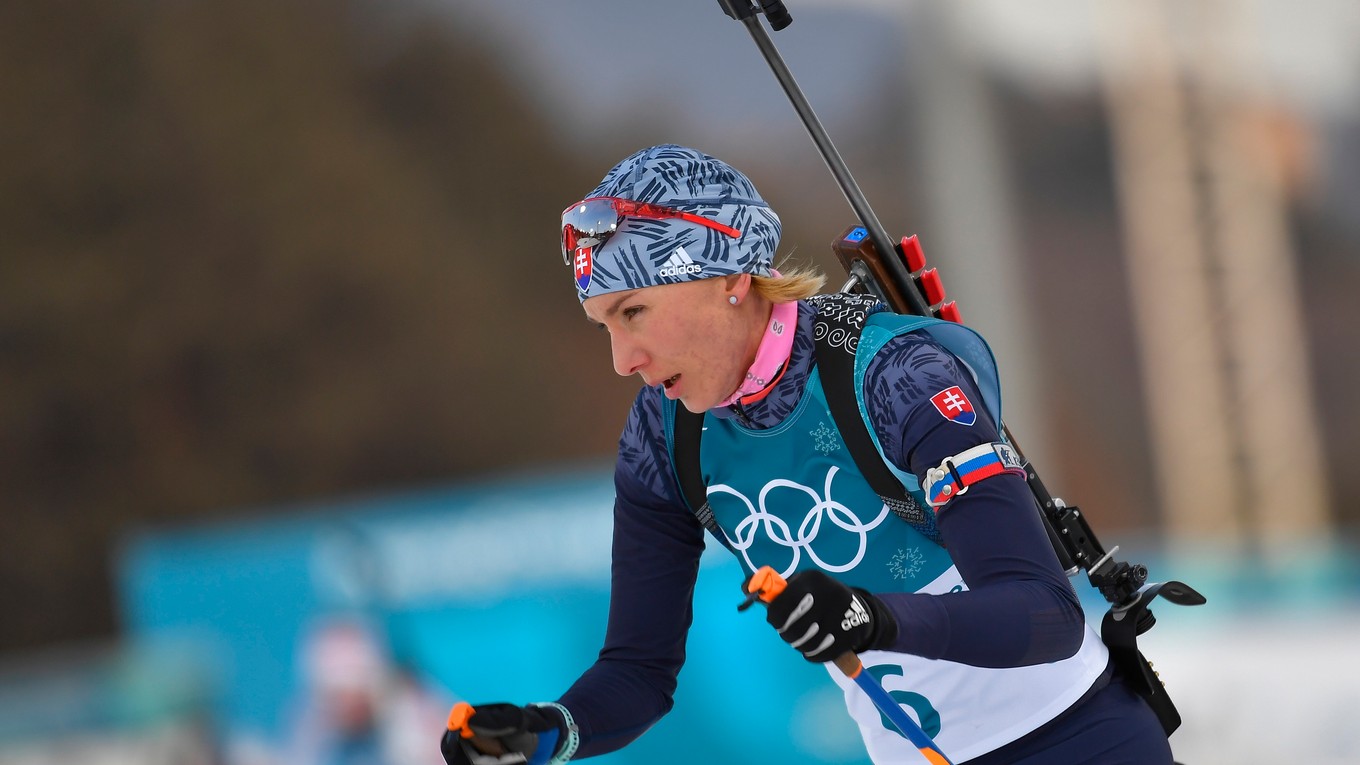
(766, 585)
(460, 718)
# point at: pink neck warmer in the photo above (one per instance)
(770, 356)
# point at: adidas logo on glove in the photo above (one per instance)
(855, 615)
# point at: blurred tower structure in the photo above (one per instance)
(1230, 401)
(1226, 373)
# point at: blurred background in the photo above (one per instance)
(303, 438)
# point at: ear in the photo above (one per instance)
(738, 285)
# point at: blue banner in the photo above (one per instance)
(494, 592)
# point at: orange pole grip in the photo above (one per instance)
(766, 583)
(459, 716)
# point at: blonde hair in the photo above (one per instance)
(793, 283)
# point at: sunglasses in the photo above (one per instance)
(590, 222)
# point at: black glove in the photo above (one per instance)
(504, 734)
(824, 618)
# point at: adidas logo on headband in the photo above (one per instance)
(679, 264)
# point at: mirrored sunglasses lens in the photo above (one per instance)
(592, 217)
(587, 224)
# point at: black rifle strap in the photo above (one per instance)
(840, 321)
(687, 429)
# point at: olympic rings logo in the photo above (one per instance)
(778, 531)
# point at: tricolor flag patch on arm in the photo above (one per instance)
(954, 405)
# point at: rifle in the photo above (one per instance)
(902, 281)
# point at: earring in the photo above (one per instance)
(732, 299)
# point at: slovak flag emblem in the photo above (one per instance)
(584, 265)
(955, 406)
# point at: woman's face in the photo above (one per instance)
(687, 337)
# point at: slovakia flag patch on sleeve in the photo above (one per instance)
(954, 405)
